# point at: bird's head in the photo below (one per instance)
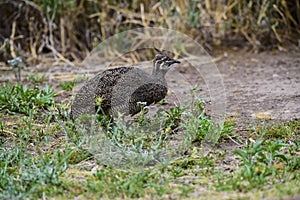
(162, 62)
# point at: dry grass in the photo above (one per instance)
(70, 29)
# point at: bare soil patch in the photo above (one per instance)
(264, 86)
(258, 86)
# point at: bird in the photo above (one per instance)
(123, 89)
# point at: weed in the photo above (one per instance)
(68, 85)
(36, 78)
(284, 131)
(294, 158)
(227, 132)
(112, 183)
(196, 127)
(18, 99)
(195, 159)
(173, 117)
(141, 119)
(23, 175)
(258, 162)
(55, 8)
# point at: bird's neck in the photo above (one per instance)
(159, 74)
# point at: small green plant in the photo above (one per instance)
(194, 159)
(55, 8)
(294, 159)
(142, 119)
(173, 117)
(227, 132)
(284, 131)
(24, 176)
(18, 99)
(36, 78)
(196, 123)
(258, 162)
(113, 183)
(68, 85)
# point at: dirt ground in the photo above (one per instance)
(264, 86)
(258, 86)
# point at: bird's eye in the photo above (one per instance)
(164, 59)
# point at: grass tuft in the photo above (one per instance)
(18, 99)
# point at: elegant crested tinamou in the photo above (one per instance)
(120, 90)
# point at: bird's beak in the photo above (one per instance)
(175, 61)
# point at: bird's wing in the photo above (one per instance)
(148, 93)
(106, 82)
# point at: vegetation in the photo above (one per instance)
(38, 160)
(18, 99)
(44, 154)
(69, 29)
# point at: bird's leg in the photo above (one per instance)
(143, 111)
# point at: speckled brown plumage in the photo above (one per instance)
(148, 93)
(121, 89)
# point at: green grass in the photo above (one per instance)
(45, 156)
(68, 85)
(36, 78)
(19, 99)
(284, 131)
